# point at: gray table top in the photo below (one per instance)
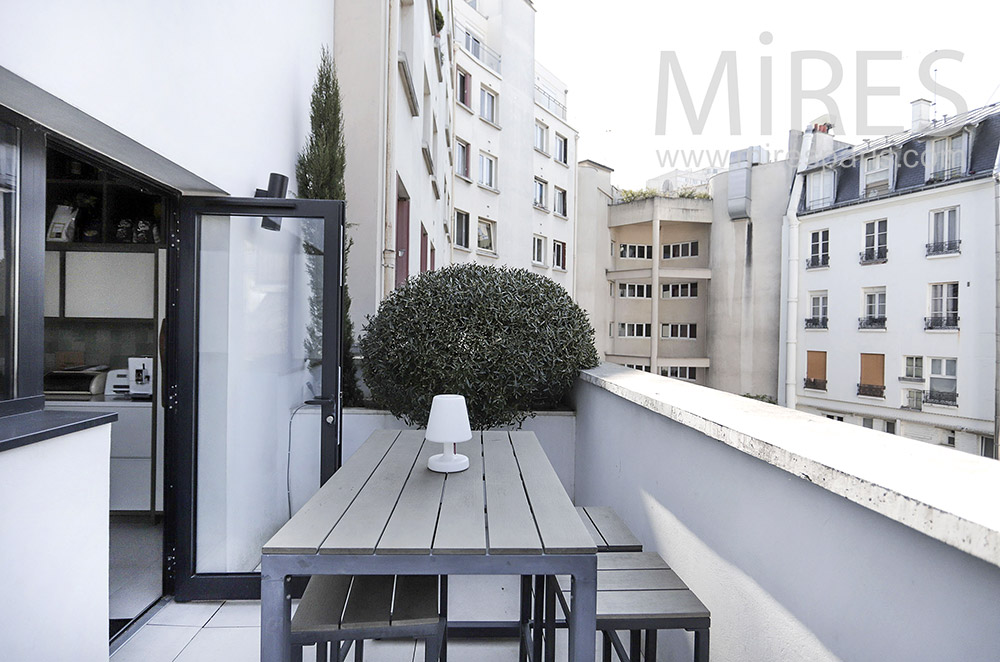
(385, 500)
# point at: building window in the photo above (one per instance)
(872, 383)
(947, 157)
(943, 382)
(687, 372)
(818, 304)
(868, 423)
(815, 370)
(562, 150)
(949, 438)
(944, 307)
(461, 229)
(636, 366)
(686, 331)
(538, 250)
(876, 246)
(487, 170)
(988, 447)
(488, 105)
(890, 427)
(487, 236)
(10, 175)
(835, 418)
(819, 249)
(683, 249)
(635, 290)
(461, 158)
(944, 232)
(559, 254)
(877, 177)
(914, 399)
(679, 291)
(635, 251)
(541, 193)
(630, 330)
(559, 202)
(913, 368)
(541, 137)
(874, 317)
(464, 88)
(819, 189)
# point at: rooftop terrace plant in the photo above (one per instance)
(510, 341)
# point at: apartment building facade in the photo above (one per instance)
(395, 69)
(514, 152)
(894, 300)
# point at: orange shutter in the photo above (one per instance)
(816, 365)
(873, 369)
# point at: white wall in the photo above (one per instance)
(54, 551)
(221, 88)
(789, 570)
(906, 276)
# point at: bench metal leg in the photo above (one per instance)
(536, 634)
(359, 650)
(523, 653)
(322, 652)
(701, 646)
(634, 645)
(443, 653)
(606, 656)
(550, 619)
(650, 645)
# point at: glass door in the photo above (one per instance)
(253, 399)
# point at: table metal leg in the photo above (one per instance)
(443, 655)
(634, 645)
(701, 646)
(583, 612)
(550, 619)
(524, 653)
(276, 617)
(537, 616)
(650, 645)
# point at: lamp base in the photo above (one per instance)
(448, 463)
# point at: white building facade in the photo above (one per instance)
(514, 153)
(891, 318)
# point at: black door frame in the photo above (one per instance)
(180, 466)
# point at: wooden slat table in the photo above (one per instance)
(384, 512)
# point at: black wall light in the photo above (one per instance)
(277, 187)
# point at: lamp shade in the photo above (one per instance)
(448, 422)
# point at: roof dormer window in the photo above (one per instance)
(947, 157)
(877, 174)
(820, 190)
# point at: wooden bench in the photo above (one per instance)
(348, 609)
(609, 532)
(638, 592)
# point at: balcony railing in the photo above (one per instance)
(478, 49)
(549, 102)
(815, 384)
(817, 261)
(948, 399)
(944, 247)
(871, 322)
(816, 322)
(946, 173)
(946, 321)
(872, 390)
(874, 255)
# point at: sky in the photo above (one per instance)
(609, 55)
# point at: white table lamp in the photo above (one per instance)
(448, 424)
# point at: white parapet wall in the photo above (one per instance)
(807, 539)
(54, 549)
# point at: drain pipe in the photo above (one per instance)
(790, 275)
(996, 373)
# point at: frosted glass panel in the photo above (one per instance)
(260, 303)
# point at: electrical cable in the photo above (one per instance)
(288, 457)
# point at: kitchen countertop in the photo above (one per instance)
(23, 429)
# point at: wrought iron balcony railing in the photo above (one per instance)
(815, 384)
(871, 322)
(816, 322)
(946, 321)
(944, 247)
(949, 399)
(874, 255)
(872, 390)
(816, 261)
(946, 173)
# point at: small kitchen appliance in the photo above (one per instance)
(140, 377)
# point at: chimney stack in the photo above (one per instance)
(921, 114)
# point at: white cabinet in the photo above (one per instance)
(116, 285)
(53, 271)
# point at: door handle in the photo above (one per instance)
(321, 400)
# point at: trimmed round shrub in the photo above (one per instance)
(512, 342)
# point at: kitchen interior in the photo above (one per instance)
(105, 284)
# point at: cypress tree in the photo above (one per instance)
(319, 172)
